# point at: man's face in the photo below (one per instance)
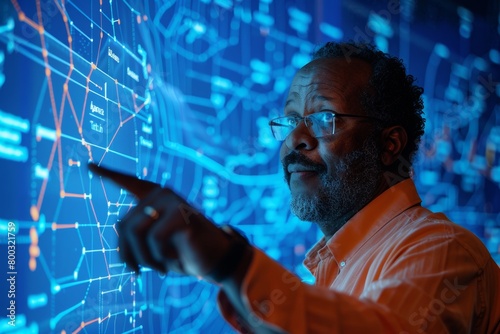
(331, 177)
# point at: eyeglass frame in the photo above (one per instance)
(302, 118)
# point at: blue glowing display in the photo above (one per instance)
(180, 93)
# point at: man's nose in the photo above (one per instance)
(300, 138)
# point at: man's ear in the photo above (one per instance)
(394, 141)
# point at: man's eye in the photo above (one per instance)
(324, 117)
(292, 122)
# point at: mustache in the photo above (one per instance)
(296, 158)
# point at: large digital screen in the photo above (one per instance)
(180, 93)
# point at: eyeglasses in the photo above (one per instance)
(319, 124)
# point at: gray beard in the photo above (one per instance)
(353, 185)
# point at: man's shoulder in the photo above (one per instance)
(421, 227)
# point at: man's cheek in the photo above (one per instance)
(283, 151)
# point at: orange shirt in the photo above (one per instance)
(395, 267)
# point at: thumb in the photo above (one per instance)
(140, 188)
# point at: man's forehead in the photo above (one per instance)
(314, 95)
(329, 80)
(316, 85)
(338, 71)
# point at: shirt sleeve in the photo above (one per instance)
(420, 290)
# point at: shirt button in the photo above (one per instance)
(342, 264)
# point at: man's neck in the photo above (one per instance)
(329, 228)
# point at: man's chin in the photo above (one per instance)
(305, 182)
(304, 205)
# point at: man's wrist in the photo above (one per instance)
(235, 260)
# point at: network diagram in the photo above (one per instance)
(180, 93)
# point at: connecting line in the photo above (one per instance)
(216, 168)
(57, 318)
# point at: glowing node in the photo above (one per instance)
(299, 249)
(65, 19)
(47, 72)
(63, 332)
(34, 251)
(41, 30)
(82, 324)
(103, 251)
(98, 225)
(83, 250)
(145, 18)
(22, 17)
(102, 35)
(33, 235)
(83, 302)
(138, 19)
(45, 53)
(76, 225)
(119, 105)
(109, 277)
(58, 133)
(75, 275)
(70, 40)
(65, 87)
(145, 171)
(54, 226)
(32, 264)
(62, 194)
(94, 66)
(35, 214)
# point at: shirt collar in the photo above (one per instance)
(364, 224)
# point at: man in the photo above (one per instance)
(352, 123)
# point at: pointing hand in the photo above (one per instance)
(165, 233)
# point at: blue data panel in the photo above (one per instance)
(180, 93)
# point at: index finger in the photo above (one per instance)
(140, 188)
